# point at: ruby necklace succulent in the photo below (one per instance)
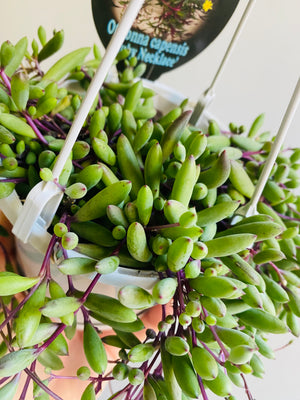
(148, 192)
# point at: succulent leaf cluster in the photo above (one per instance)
(145, 191)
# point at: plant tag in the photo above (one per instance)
(166, 34)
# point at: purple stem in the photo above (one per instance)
(65, 120)
(194, 338)
(117, 133)
(58, 331)
(249, 395)
(225, 352)
(100, 101)
(70, 283)
(37, 65)
(61, 187)
(278, 272)
(65, 253)
(248, 157)
(5, 79)
(139, 395)
(180, 293)
(49, 126)
(132, 392)
(251, 153)
(99, 385)
(218, 340)
(85, 314)
(203, 392)
(48, 255)
(148, 369)
(4, 379)
(52, 377)
(158, 370)
(212, 353)
(2, 156)
(7, 341)
(59, 129)
(26, 385)
(90, 288)
(295, 211)
(287, 217)
(120, 391)
(91, 378)
(76, 164)
(44, 270)
(158, 227)
(14, 180)
(35, 128)
(42, 126)
(163, 312)
(42, 385)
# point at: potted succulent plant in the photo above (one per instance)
(148, 192)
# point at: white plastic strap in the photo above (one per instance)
(43, 200)
(209, 94)
(98, 79)
(278, 142)
(233, 42)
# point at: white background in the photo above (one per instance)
(259, 77)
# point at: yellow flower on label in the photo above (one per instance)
(207, 5)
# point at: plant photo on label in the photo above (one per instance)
(145, 191)
(170, 19)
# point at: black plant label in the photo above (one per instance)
(167, 33)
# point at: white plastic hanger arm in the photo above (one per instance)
(45, 197)
(209, 94)
(97, 81)
(278, 142)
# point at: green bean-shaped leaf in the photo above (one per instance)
(20, 50)
(96, 206)
(50, 360)
(8, 391)
(26, 326)
(16, 125)
(15, 362)
(59, 346)
(107, 265)
(120, 326)
(43, 332)
(52, 46)
(6, 188)
(108, 307)
(77, 266)
(89, 393)
(94, 349)
(186, 376)
(11, 283)
(262, 320)
(214, 286)
(135, 297)
(227, 245)
(177, 346)
(141, 352)
(20, 91)
(60, 307)
(64, 65)
(221, 385)
(204, 363)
